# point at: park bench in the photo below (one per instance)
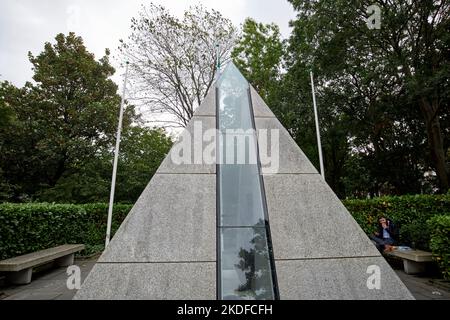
(414, 261)
(19, 269)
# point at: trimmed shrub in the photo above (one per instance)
(440, 242)
(30, 227)
(416, 235)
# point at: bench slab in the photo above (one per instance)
(413, 260)
(413, 255)
(39, 257)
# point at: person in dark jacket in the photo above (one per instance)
(386, 235)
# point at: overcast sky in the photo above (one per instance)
(25, 25)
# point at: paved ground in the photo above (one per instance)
(50, 284)
(423, 288)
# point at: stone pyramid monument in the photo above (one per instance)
(255, 222)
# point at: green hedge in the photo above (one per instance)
(410, 213)
(29, 227)
(440, 242)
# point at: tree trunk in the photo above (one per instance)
(435, 141)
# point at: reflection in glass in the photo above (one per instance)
(245, 264)
(240, 195)
(234, 111)
(241, 201)
(245, 268)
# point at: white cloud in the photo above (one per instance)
(26, 25)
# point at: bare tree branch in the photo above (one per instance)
(172, 61)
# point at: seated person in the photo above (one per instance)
(386, 235)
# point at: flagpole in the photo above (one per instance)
(319, 144)
(116, 158)
(217, 61)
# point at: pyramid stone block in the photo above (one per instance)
(150, 281)
(172, 221)
(338, 279)
(317, 225)
(291, 159)
(193, 166)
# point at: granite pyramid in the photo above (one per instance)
(169, 246)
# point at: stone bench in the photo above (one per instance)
(413, 260)
(19, 269)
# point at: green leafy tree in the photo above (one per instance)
(80, 103)
(6, 112)
(258, 54)
(393, 82)
(141, 152)
(7, 124)
(63, 120)
(19, 163)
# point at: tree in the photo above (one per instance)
(63, 120)
(57, 136)
(7, 122)
(173, 61)
(258, 54)
(6, 113)
(395, 78)
(141, 152)
(18, 142)
(254, 262)
(79, 102)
